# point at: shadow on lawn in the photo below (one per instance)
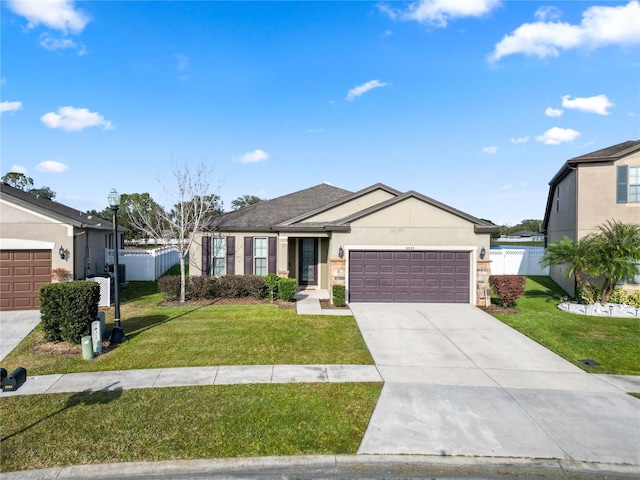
(136, 325)
(100, 397)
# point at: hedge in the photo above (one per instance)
(67, 309)
(339, 293)
(508, 288)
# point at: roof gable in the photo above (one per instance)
(480, 226)
(52, 209)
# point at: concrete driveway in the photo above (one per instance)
(14, 326)
(460, 382)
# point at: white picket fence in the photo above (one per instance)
(517, 261)
(145, 265)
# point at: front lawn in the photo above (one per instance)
(612, 342)
(191, 336)
(42, 431)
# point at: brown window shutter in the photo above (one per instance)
(231, 255)
(248, 255)
(271, 252)
(206, 255)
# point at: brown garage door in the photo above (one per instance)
(429, 277)
(22, 273)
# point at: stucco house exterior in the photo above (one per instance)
(38, 235)
(590, 190)
(384, 245)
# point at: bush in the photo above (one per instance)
(236, 286)
(67, 309)
(203, 287)
(339, 293)
(169, 286)
(508, 288)
(271, 281)
(286, 289)
(593, 295)
(634, 299)
(618, 296)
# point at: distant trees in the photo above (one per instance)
(22, 182)
(245, 201)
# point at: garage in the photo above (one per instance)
(409, 276)
(22, 273)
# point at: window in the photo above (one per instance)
(260, 256)
(219, 256)
(628, 184)
(634, 184)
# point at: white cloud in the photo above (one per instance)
(56, 14)
(520, 140)
(548, 13)
(490, 150)
(553, 112)
(75, 119)
(364, 88)
(600, 26)
(557, 135)
(315, 130)
(253, 157)
(598, 104)
(7, 106)
(18, 169)
(52, 43)
(51, 166)
(439, 12)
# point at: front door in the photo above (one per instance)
(308, 262)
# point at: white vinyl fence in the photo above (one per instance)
(145, 265)
(517, 261)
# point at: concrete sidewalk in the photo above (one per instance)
(308, 303)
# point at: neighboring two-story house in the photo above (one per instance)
(590, 190)
(38, 235)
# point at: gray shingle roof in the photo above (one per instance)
(264, 215)
(54, 209)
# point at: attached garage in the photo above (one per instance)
(409, 276)
(22, 273)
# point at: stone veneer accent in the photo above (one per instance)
(337, 272)
(483, 271)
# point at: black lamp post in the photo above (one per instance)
(117, 334)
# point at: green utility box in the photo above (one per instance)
(87, 348)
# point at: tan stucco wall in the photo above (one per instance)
(411, 222)
(361, 203)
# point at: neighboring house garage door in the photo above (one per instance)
(429, 277)
(22, 273)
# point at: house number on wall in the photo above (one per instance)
(411, 248)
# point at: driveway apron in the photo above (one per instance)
(460, 382)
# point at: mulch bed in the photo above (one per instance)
(498, 309)
(230, 301)
(326, 304)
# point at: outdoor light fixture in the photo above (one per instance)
(117, 334)
(341, 252)
(62, 253)
(483, 252)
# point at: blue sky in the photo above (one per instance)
(476, 103)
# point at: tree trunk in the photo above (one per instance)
(607, 290)
(183, 278)
(583, 285)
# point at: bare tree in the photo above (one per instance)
(193, 203)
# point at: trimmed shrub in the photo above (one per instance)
(619, 296)
(169, 287)
(508, 288)
(339, 293)
(67, 309)
(634, 299)
(287, 289)
(203, 287)
(271, 282)
(236, 286)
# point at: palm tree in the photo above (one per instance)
(578, 257)
(617, 254)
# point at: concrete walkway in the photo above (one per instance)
(460, 382)
(308, 303)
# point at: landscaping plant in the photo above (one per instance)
(508, 288)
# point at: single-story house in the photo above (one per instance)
(38, 235)
(382, 244)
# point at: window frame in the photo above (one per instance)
(634, 171)
(218, 254)
(264, 258)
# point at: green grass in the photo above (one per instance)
(165, 337)
(183, 423)
(612, 342)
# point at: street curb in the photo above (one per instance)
(340, 464)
